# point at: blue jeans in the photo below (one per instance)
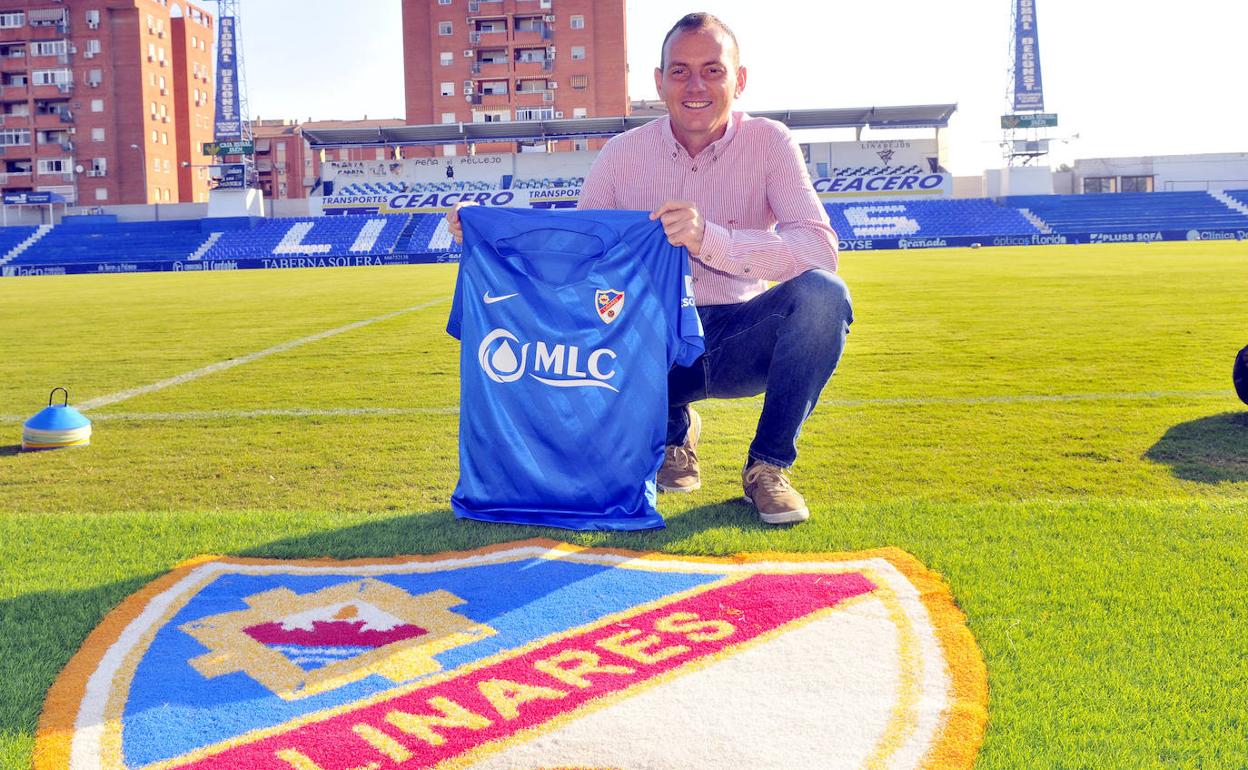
(785, 342)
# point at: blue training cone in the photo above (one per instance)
(57, 427)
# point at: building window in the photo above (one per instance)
(93, 48)
(166, 195)
(93, 18)
(444, 28)
(53, 166)
(12, 20)
(155, 136)
(97, 105)
(448, 89)
(580, 112)
(51, 77)
(156, 165)
(578, 53)
(448, 150)
(537, 113)
(48, 48)
(97, 134)
(101, 193)
(164, 137)
(580, 145)
(580, 81)
(1098, 184)
(95, 77)
(446, 58)
(14, 136)
(444, 2)
(448, 117)
(494, 87)
(1137, 184)
(578, 22)
(99, 165)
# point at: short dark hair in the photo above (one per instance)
(691, 22)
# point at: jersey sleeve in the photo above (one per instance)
(688, 324)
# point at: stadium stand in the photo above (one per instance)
(132, 242)
(926, 219)
(311, 236)
(88, 244)
(1239, 196)
(11, 238)
(1130, 212)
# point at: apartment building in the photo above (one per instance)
(106, 101)
(479, 61)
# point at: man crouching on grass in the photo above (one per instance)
(733, 190)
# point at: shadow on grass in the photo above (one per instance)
(12, 449)
(1210, 450)
(40, 631)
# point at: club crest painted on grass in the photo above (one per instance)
(526, 655)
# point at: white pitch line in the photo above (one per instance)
(716, 405)
(222, 366)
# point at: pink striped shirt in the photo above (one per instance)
(764, 221)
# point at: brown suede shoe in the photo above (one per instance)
(679, 472)
(768, 488)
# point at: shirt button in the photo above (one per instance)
(695, 168)
(747, 270)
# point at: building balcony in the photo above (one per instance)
(486, 39)
(490, 70)
(533, 68)
(17, 179)
(14, 93)
(50, 120)
(48, 92)
(532, 99)
(522, 37)
(494, 100)
(14, 63)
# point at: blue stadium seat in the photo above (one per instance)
(1130, 212)
(926, 219)
(134, 242)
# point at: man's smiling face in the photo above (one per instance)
(699, 81)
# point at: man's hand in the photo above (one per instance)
(683, 224)
(452, 221)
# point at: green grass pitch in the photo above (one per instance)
(1053, 429)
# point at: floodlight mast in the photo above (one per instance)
(1024, 135)
(232, 9)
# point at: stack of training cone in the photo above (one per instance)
(56, 427)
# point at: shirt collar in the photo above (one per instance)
(716, 148)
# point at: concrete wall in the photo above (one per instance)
(1018, 180)
(1172, 173)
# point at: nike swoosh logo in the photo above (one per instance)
(491, 300)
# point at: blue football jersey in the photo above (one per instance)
(568, 322)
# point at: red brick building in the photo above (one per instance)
(121, 89)
(287, 167)
(485, 60)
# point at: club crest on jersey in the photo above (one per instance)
(609, 303)
(526, 655)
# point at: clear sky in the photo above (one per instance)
(1129, 77)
